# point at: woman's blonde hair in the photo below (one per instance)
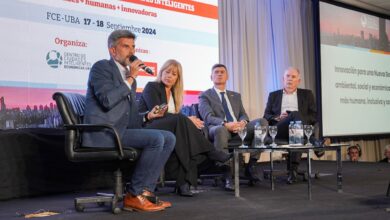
(177, 89)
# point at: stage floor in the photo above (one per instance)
(363, 197)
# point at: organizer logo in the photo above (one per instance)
(54, 59)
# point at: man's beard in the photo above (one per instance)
(124, 62)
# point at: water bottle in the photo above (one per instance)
(257, 130)
(291, 133)
(299, 133)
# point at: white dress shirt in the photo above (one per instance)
(227, 102)
(289, 102)
(124, 71)
(171, 104)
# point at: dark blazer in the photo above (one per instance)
(109, 101)
(306, 105)
(211, 110)
(153, 94)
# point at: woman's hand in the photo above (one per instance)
(157, 112)
(197, 122)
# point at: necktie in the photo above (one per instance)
(229, 117)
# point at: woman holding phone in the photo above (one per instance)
(191, 147)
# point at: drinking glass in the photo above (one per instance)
(273, 130)
(308, 129)
(263, 130)
(242, 134)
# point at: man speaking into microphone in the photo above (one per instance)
(111, 100)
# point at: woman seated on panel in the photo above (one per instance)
(191, 147)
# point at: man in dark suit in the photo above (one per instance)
(224, 114)
(290, 104)
(111, 100)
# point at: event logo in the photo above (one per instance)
(69, 60)
(76, 61)
(54, 59)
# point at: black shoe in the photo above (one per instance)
(267, 140)
(318, 142)
(253, 171)
(227, 176)
(292, 177)
(219, 156)
(184, 190)
(229, 186)
(320, 153)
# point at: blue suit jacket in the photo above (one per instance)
(306, 105)
(109, 101)
(211, 110)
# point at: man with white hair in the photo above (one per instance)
(290, 104)
(387, 154)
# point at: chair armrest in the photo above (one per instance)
(99, 127)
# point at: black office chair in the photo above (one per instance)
(71, 107)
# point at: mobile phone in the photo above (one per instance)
(160, 107)
(288, 112)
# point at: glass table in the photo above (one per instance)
(289, 148)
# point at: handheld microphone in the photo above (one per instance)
(143, 66)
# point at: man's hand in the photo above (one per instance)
(197, 122)
(281, 116)
(157, 112)
(233, 126)
(133, 73)
(243, 123)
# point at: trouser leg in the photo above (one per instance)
(156, 147)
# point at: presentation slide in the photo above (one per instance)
(50, 45)
(355, 72)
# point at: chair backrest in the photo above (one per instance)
(71, 107)
(195, 110)
(191, 110)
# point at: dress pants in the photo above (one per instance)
(295, 157)
(156, 146)
(220, 136)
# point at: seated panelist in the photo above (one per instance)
(191, 145)
(111, 100)
(290, 104)
(224, 115)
